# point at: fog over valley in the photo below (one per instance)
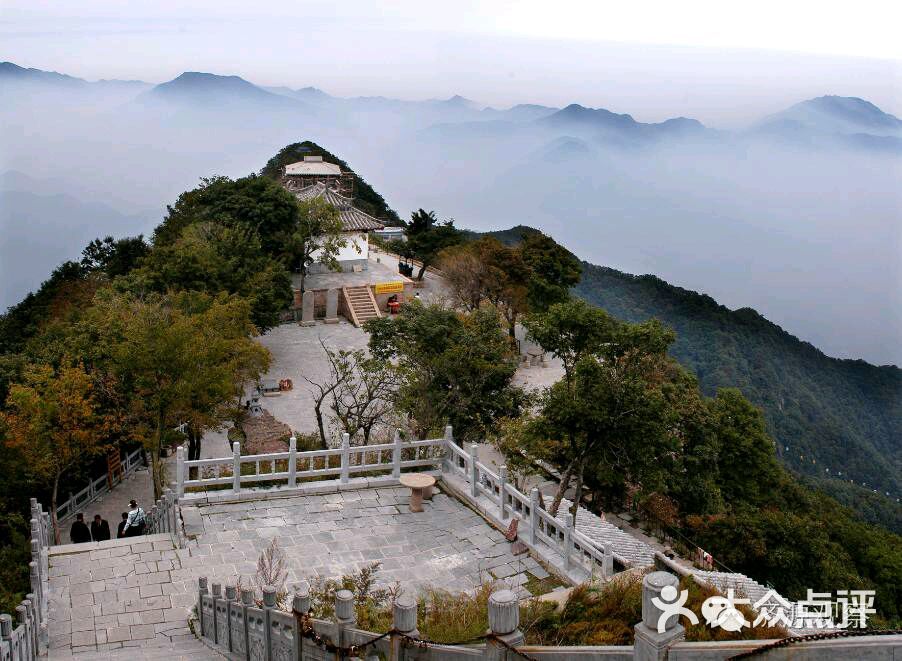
(796, 213)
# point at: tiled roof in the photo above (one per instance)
(352, 218)
(312, 168)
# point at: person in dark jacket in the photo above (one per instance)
(120, 531)
(79, 532)
(100, 529)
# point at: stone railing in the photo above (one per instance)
(500, 500)
(288, 469)
(242, 628)
(163, 517)
(555, 539)
(96, 488)
(25, 637)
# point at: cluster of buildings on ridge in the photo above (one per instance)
(315, 178)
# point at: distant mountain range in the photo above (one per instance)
(827, 121)
(207, 90)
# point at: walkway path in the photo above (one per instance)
(110, 506)
(115, 599)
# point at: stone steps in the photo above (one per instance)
(361, 304)
(601, 532)
(121, 599)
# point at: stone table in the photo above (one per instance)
(420, 485)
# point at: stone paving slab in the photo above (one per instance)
(446, 546)
(117, 598)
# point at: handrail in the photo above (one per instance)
(96, 488)
(293, 466)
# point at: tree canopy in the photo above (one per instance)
(454, 368)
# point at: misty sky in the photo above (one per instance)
(726, 64)
(810, 239)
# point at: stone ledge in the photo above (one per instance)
(201, 499)
(67, 549)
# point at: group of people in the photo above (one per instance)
(132, 524)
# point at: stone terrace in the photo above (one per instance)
(446, 546)
(116, 599)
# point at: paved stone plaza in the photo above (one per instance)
(446, 546)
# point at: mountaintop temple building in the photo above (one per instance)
(314, 178)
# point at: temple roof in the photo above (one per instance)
(308, 167)
(352, 218)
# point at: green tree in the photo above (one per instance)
(552, 270)
(255, 203)
(610, 420)
(114, 257)
(180, 358)
(515, 279)
(54, 421)
(213, 258)
(571, 330)
(315, 237)
(454, 368)
(426, 238)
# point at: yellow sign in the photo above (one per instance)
(390, 287)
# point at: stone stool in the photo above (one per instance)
(418, 483)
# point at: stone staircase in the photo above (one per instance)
(119, 600)
(643, 555)
(600, 532)
(361, 304)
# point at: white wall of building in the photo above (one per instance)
(357, 248)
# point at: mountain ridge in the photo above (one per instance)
(834, 419)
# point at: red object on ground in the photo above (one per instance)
(394, 307)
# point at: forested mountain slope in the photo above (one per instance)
(828, 416)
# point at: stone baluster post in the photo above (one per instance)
(345, 617)
(504, 620)
(25, 641)
(6, 628)
(247, 601)
(201, 593)
(231, 595)
(404, 620)
(650, 645)
(345, 458)
(474, 472)
(167, 509)
(448, 455)
(292, 462)
(173, 500)
(300, 604)
(217, 594)
(396, 455)
(269, 602)
(236, 467)
(180, 471)
(502, 489)
(154, 519)
(34, 625)
(607, 569)
(35, 531)
(568, 540)
(37, 589)
(534, 518)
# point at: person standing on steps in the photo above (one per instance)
(100, 529)
(136, 521)
(79, 532)
(120, 531)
